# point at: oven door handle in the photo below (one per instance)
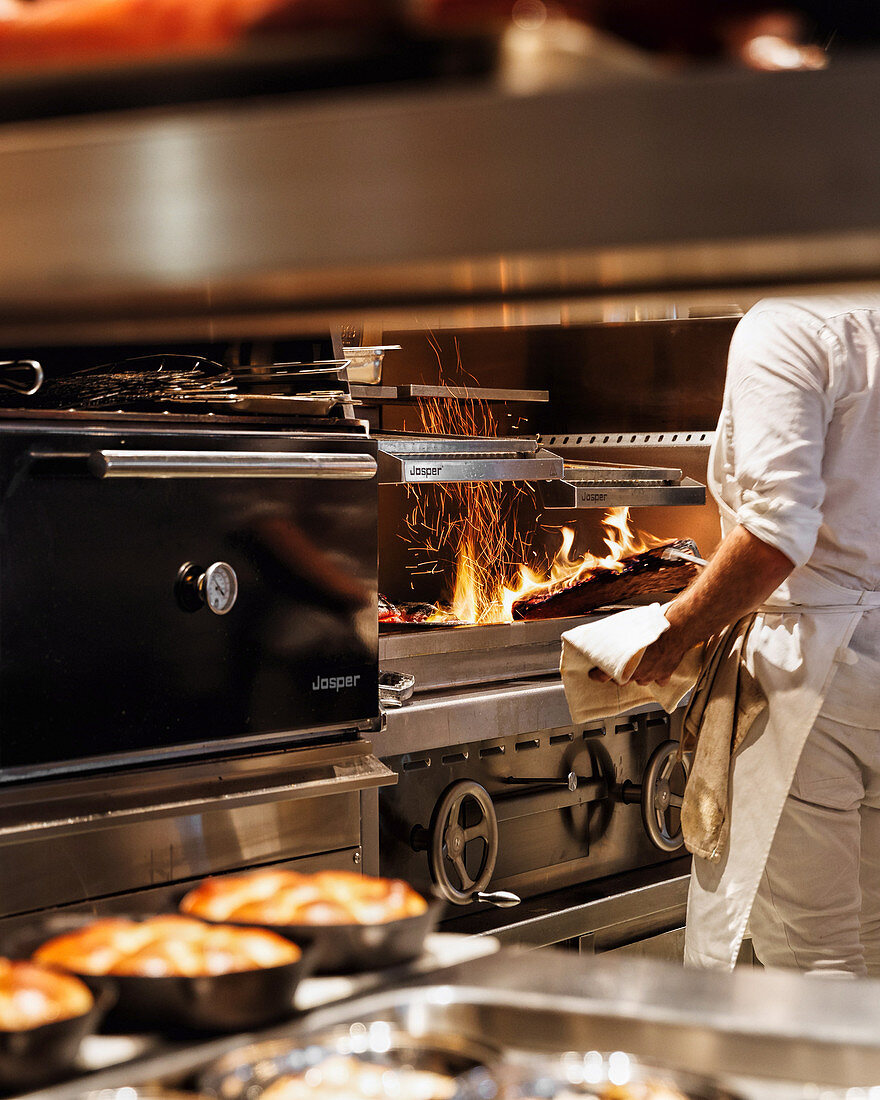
(107, 463)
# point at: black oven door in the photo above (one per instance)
(118, 639)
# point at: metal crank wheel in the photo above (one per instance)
(656, 797)
(448, 840)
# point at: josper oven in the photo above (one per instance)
(113, 646)
(188, 646)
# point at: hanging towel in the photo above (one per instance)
(722, 709)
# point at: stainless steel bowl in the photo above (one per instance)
(457, 1064)
(601, 1075)
(146, 1092)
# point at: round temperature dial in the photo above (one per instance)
(215, 587)
(219, 587)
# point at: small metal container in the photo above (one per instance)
(365, 364)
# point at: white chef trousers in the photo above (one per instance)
(818, 905)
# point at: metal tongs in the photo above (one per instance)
(684, 555)
(24, 376)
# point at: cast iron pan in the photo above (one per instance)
(351, 948)
(213, 1002)
(40, 1055)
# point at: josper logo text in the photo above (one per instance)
(335, 683)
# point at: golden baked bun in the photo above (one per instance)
(31, 996)
(290, 897)
(347, 1078)
(165, 946)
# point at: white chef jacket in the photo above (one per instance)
(799, 451)
(796, 461)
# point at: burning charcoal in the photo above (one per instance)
(416, 612)
(388, 613)
(651, 572)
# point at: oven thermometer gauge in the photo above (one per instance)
(215, 588)
(219, 587)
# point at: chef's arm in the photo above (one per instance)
(742, 573)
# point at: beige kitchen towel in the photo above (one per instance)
(615, 644)
(722, 709)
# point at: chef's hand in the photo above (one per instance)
(658, 662)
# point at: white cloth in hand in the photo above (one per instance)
(615, 645)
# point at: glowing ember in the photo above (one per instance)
(478, 521)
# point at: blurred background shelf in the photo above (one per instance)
(452, 202)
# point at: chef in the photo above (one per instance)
(795, 470)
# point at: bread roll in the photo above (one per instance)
(165, 946)
(31, 996)
(280, 898)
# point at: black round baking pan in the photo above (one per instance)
(232, 1001)
(42, 1055)
(426, 1067)
(352, 948)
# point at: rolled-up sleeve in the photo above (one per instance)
(778, 406)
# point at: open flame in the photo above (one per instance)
(481, 596)
(479, 521)
(621, 539)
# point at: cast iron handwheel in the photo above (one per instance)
(449, 839)
(657, 797)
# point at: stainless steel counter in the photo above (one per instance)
(76, 840)
(775, 1033)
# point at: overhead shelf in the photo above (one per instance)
(456, 201)
(409, 460)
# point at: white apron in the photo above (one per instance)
(798, 636)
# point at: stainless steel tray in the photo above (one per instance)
(573, 491)
(620, 473)
(438, 459)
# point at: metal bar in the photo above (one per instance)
(439, 445)
(373, 394)
(443, 718)
(684, 437)
(593, 473)
(209, 464)
(472, 393)
(510, 807)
